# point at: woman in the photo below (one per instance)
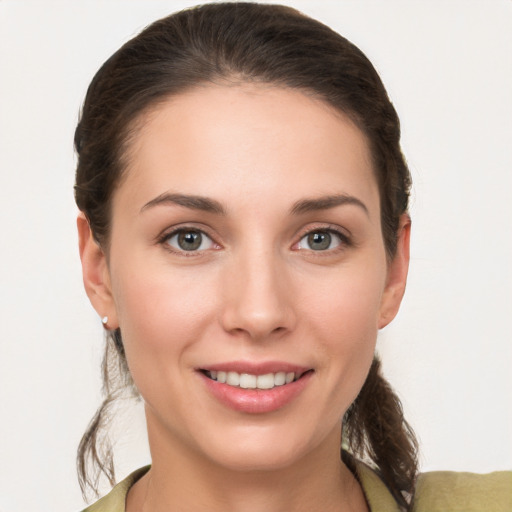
(244, 234)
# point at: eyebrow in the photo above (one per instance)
(326, 202)
(188, 201)
(212, 206)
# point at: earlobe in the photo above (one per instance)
(95, 272)
(397, 275)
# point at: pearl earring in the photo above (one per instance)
(104, 320)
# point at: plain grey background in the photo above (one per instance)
(447, 67)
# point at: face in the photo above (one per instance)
(247, 272)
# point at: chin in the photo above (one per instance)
(257, 459)
(262, 450)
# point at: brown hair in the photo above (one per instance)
(244, 42)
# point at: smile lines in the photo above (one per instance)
(249, 381)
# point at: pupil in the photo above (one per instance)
(189, 240)
(319, 241)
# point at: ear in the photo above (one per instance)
(397, 274)
(95, 273)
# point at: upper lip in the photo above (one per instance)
(256, 368)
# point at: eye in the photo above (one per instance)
(189, 240)
(321, 240)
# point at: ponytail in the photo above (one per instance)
(374, 429)
(95, 456)
(257, 43)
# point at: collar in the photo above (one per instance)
(377, 495)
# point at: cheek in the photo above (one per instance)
(161, 314)
(347, 305)
(344, 317)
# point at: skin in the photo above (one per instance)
(257, 290)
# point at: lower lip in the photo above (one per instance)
(256, 401)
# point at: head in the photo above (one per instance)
(219, 43)
(190, 68)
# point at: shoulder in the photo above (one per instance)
(442, 491)
(115, 500)
(438, 491)
(377, 494)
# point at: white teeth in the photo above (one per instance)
(233, 379)
(266, 381)
(249, 381)
(280, 378)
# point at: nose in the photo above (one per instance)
(258, 297)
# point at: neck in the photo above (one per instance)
(180, 479)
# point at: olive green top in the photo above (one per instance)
(438, 491)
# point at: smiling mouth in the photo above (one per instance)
(251, 381)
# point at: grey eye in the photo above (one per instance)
(190, 240)
(320, 241)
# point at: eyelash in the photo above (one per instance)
(344, 240)
(166, 237)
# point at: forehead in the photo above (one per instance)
(220, 139)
